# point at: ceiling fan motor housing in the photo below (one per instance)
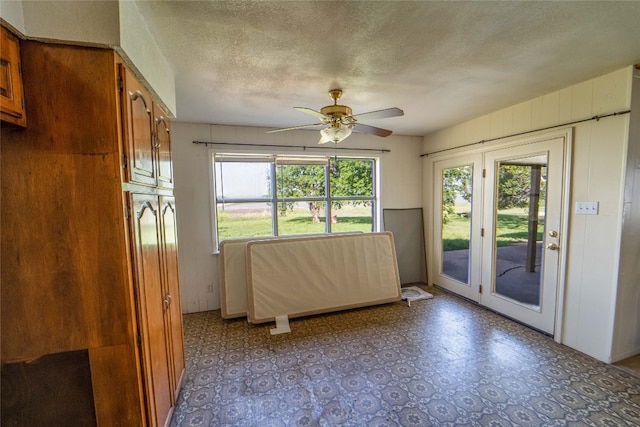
(336, 111)
(340, 114)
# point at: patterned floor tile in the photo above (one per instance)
(441, 362)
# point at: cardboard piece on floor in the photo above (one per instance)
(414, 293)
(282, 325)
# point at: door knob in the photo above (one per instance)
(553, 233)
(553, 247)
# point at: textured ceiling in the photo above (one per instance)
(248, 63)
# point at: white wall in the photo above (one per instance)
(400, 175)
(12, 13)
(137, 43)
(115, 24)
(90, 22)
(599, 157)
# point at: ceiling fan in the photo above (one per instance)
(341, 121)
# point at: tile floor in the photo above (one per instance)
(442, 362)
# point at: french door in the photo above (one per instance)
(498, 225)
(457, 217)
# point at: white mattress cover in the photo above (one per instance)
(233, 278)
(233, 272)
(316, 275)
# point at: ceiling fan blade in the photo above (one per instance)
(372, 130)
(379, 114)
(295, 127)
(315, 113)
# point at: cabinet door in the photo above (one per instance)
(151, 305)
(138, 122)
(170, 251)
(11, 90)
(162, 129)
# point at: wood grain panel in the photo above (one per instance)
(117, 386)
(63, 263)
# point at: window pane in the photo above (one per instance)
(242, 180)
(351, 216)
(457, 184)
(243, 220)
(301, 218)
(300, 181)
(351, 177)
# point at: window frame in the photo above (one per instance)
(274, 200)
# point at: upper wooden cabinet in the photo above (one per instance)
(11, 89)
(162, 130)
(147, 136)
(139, 161)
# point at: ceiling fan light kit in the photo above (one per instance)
(334, 134)
(342, 121)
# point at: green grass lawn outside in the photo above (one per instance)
(512, 227)
(298, 221)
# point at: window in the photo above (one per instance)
(279, 196)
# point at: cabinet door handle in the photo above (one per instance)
(167, 301)
(159, 120)
(156, 144)
(137, 94)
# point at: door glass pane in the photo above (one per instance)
(457, 184)
(520, 213)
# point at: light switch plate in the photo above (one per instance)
(587, 208)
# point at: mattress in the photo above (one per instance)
(233, 278)
(233, 272)
(298, 277)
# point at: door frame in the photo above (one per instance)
(499, 143)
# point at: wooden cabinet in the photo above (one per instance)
(11, 88)
(153, 303)
(169, 236)
(139, 160)
(89, 268)
(148, 148)
(164, 161)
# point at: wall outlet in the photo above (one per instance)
(587, 208)
(210, 288)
